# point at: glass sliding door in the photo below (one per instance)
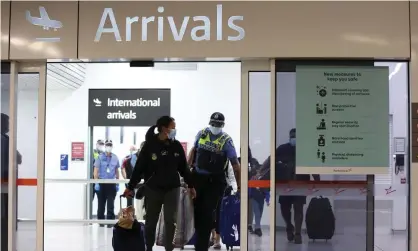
(257, 200)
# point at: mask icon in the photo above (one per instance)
(215, 130)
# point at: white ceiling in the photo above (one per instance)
(60, 76)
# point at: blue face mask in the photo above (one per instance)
(172, 134)
(292, 141)
(215, 130)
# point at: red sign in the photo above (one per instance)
(184, 145)
(77, 151)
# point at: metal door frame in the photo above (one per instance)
(247, 66)
(36, 68)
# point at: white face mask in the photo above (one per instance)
(215, 130)
(100, 148)
(109, 149)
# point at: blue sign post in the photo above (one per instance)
(64, 162)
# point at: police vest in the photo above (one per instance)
(210, 155)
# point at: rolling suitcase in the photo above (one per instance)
(128, 233)
(320, 219)
(229, 221)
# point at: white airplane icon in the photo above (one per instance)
(43, 20)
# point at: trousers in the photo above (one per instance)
(257, 208)
(209, 192)
(155, 199)
(286, 210)
(4, 221)
(106, 200)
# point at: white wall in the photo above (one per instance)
(195, 94)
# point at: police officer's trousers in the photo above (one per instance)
(155, 199)
(209, 192)
(106, 200)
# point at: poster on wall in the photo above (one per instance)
(342, 120)
(77, 151)
(127, 107)
(64, 162)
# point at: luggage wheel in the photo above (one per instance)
(229, 248)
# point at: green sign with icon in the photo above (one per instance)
(342, 119)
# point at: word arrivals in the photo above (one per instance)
(121, 115)
(200, 32)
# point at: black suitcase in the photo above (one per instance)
(129, 239)
(320, 219)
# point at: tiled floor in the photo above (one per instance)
(92, 238)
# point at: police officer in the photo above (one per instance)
(286, 157)
(213, 149)
(96, 152)
(160, 161)
(106, 166)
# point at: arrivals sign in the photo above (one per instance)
(342, 120)
(128, 107)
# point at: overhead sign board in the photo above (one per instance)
(342, 120)
(128, 107)
(5, 21)
(44, 29)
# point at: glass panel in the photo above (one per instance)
(27, 152)
(348, 201)
(259, 169)
(197, 90)
(5, 111)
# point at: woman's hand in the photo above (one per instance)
(128, 193)
(192, 192)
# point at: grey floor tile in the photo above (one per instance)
(92, 238)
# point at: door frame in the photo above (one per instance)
(40, 69)
(248, 66)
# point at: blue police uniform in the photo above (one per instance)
(228, 148)
(108, 165)
(211, 162)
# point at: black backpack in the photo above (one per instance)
(320, 219)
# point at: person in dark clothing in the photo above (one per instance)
(286, 171)
(160, 161)
(4, 177)
(213, 149)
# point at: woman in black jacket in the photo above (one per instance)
(160, 161)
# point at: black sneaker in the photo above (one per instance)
(298, 239)
(250, 229)
(258, 232)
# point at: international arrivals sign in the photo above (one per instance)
(127, 107)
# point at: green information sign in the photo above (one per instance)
(342, 120)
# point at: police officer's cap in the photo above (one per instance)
(217, 119)
(108, 142)
(100, 142)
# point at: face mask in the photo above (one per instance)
(100, 148)
(215, 130)
(292, 141)
(109, 149)
(172, 134)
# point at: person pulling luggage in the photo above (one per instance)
(160, 161)
(213, 149)
(286, 171)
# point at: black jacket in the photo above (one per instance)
(160, 163)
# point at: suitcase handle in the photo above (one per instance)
(120, 201)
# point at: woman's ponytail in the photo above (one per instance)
(150, 133)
